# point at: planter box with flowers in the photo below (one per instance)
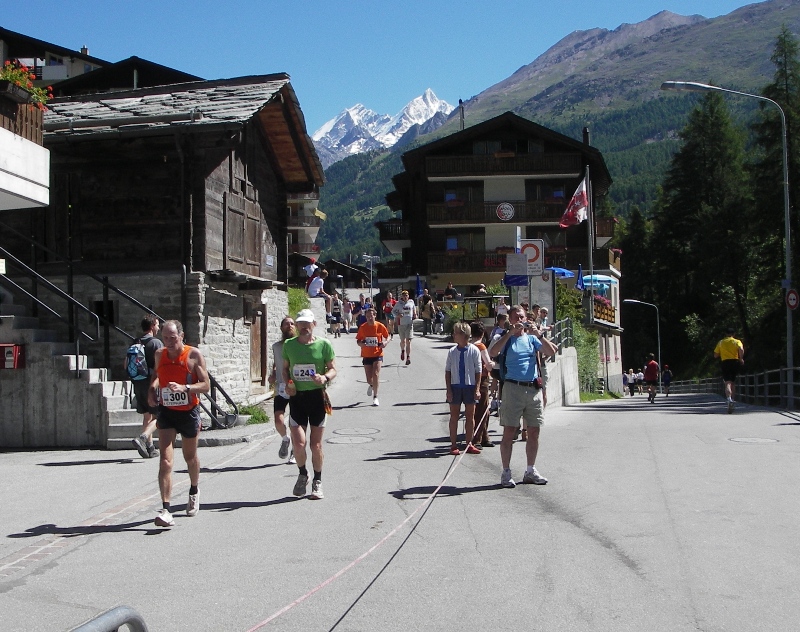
(21, 103)
(603, 309)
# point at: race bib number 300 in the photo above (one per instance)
(171, 399)
(304, 372)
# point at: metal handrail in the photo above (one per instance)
(59, 292)
(113, 619)
(215, 386)
(563, 335)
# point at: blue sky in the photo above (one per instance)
(338, 53)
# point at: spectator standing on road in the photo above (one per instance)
(482, 407)
(631, 382)
(543, 324)
(308, 365)
(404, 313)
(496, 386)
(372, 337)
(426, 311)
(388, 306)
(522, 393)
(462, 377)
(666, 379)
(280, 398)
(336, 315)
(144, 442)
(181, 376)
(651, 371)
(731, 352)
(438, 321)
(624, 382)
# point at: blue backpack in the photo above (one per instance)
(136, 362)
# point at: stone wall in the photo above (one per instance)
(216, 321)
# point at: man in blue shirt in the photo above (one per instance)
(523, 398)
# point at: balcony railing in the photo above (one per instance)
(310, 195)
(490, 212)
(393, 230)
(503, 163)
(462, 261)
(22, 119)
(394, 270)
(304, 248)
(305, 221)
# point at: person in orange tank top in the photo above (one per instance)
(372, 337)
(181, 376)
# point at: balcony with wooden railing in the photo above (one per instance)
(464, 261)
(458, 212)
(503, 163)
(303, 221)
(22, 119)
(305, 248)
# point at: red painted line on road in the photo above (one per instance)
(364, 555)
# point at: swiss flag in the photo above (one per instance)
(577, 207)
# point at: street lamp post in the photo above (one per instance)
(633, 301)
(370, 259)
(691, 86)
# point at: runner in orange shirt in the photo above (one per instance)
(372, 337)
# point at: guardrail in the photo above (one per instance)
(767, 388)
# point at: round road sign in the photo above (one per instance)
(792, 299)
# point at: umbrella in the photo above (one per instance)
(579, 284)
(562, 272)
(599, 278)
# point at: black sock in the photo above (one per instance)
(303, 470)
(192, 490)
(165, 506)
(318, 476)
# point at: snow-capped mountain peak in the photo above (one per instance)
(358, 129)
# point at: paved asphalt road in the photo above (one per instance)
(671, 516)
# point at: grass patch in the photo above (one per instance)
(257, 414)
(593, 397)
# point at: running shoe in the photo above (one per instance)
(193, 506)
(300, 486)
(165, 519)
(730, 406)
(291, 460)
(369, 390)
(283, 451)
(506, 480)
(141, 445)
(152, 450)
(408, 360)
(375, 401)
(316, 491)
(534, 478)
(471, 449)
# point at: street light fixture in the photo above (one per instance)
(370, 259)
(692, 86)
(633, 301)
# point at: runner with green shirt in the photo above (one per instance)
(308, 365)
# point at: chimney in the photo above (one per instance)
(84, 50)
(586, 136)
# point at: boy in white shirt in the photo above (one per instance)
(462, 376)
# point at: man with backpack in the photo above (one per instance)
(140, 361)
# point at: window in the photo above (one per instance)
(452, 243)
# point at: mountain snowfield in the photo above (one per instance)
(358, 129)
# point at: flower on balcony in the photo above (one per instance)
(20, 75)
(617, 251)
(602, 300)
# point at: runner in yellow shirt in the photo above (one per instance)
(731, 352)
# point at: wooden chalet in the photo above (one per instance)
(178, 195)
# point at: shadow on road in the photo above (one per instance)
(51, 529)
(91, 462)
(420, 493)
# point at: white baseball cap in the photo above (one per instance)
(304, 316)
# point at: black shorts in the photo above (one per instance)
(140, 392)
(336, 319)
(279, 404)
(307, 407)
(651, 382)
(371, 361)
(185, 422)
(730, 369)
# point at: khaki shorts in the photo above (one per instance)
(521, 402)
(406, 331)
